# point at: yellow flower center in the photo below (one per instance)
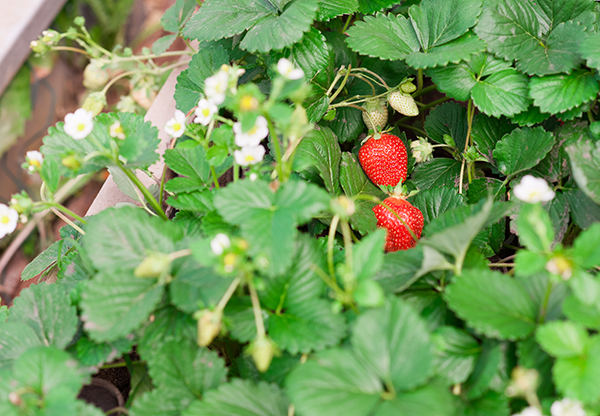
(252, 131)
(248, 103)
(81, 127)
(177, 126)
(249, 158)
(119, 130)
(206, 112)
(229, 259)
(4, 219)
(34, 162)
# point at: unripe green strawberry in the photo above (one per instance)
(263, 349)
(398, 235)
(384, 159)
(408, 87)
(153, 265)
(403, 103)
(376, 116)
(209, 326)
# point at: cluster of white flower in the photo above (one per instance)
(565, 407)
(533, 190)
(79, 124)
(34, 160)
(219, 244)
(215, 90)
(252, 152)
(9, 218)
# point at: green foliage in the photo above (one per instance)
(258, 284)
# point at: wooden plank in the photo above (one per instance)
(21, 22)
(160, 112)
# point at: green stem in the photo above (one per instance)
(228, 294)
(213, 171)
(66, 210)
(415, 129)
(236, 172)
(145, 57)
(342, 85)
(258, 319)
(149, 198)
(419, 79)
(381, 80)
(347, 23)
(544, 308)
(590, 116)
(470, 115)
(348, 253)
(275, 140)
(330, 241)
(424, 91)
(70, 49)
(434, 103)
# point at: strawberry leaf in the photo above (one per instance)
(435, 201)
(436, 172)
(590, 50)
(585, 165)
(190, 83)
(354, 182)
(399, 269)
(493, 303)
(559, 93)
(372, 6)
(437, 22)
(522, 149)
(562, 338)
(510, 28)
(313, 55)
(455, 51)
(383, 36)
(487, 131)
(502, 93)
(241, 397)
(278, 32)
(47, 310)
(328, 9)
(219, 19)
(15, 339)
(268, 220)
(560, 53)
(319, 154)
(447, 119)
(456, 352)
(556, 12)
(456, 80)
(530, 117)
(578, 377)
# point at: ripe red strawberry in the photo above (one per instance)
(403, 103)
(384, 159)
(398, 236)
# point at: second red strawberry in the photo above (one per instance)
(384, 159)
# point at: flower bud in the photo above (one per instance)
(94, 76)
(72, 162)
(421, 150)
(50, 37)
(21, 202)
(154, 265)
(524, 382)
(560, 266)
(343, 206)
(39, 47)
(14, 398)
(209, 326)
(408, 87)
(263, 349)
(95, 103)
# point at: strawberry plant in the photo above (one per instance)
(319, 253)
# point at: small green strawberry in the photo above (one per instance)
(376, 114)
(408, 87)
(403, 103)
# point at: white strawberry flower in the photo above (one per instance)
(116, 131)
(252, 137)
(567, 407)
(533, 190)
(205, 112)
(249, 155)
(79, 124)
(176, 126)
(288, 71)
(220, 243)
(34, 160)
(215, 87)
(9, 218)
(530, 411)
